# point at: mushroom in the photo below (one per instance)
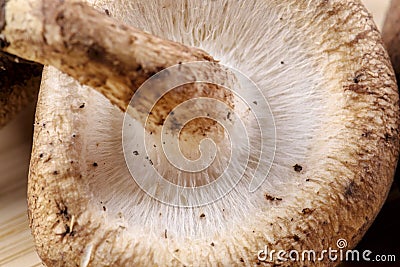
(390, 34)
(335, 105)
(19, 85)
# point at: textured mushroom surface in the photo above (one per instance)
(323, 69)
(19, 85)
(390, 35)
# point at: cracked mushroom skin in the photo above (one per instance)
(335, 105)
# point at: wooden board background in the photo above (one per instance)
(16, 243)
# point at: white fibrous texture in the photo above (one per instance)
(258, 39)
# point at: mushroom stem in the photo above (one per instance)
(96, 50)
(391, 35)
(90, 46)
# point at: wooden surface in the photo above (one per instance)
(16, 244)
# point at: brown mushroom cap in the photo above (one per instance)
(390, 35)
(19, 85)
(331, 88)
